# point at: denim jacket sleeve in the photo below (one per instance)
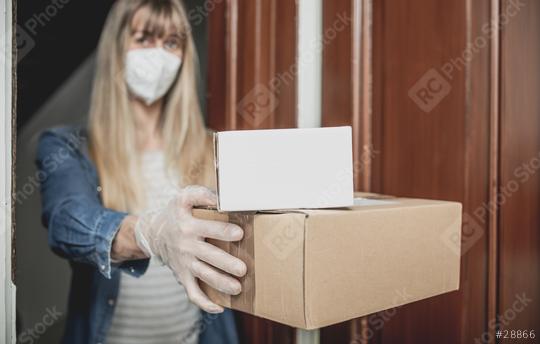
(79, 227)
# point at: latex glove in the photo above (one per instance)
(178, 239)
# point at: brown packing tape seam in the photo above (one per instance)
(244, 250)
(374, 196)
(380, 197)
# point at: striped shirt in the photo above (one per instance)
(154, 308)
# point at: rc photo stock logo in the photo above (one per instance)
(285, 237)
(430, 90)
(32, 334)
(461, 243)
(23, 39)
(25, 42)
(26, 33)
(257, 105)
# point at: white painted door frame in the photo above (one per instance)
(7, 288)
(309, 89)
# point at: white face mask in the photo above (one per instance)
(150, 72)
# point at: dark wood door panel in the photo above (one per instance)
(219, 55)
(422, 117)
(252, 60)
(337, 72)
(437, 150)
(519, 188)
(258, 330)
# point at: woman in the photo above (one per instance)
(117, 197)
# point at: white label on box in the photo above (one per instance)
(284, 169)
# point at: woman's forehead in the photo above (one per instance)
(158, 22)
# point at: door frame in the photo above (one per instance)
(7, 287)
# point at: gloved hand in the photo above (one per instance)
(177, 238)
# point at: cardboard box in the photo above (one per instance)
(284, 168)
(313, 268)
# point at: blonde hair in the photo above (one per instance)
(113, 146)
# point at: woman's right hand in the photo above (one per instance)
(177, 238)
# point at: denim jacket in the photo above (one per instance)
(81, 230)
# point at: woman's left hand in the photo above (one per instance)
(178, 239)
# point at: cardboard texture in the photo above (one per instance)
(284, 168)
(313, 268)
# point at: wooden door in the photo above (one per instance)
(443, 100)
(407, 148)
(519, 167)
(252, 48)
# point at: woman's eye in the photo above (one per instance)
(143, 40)
(172, 45)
